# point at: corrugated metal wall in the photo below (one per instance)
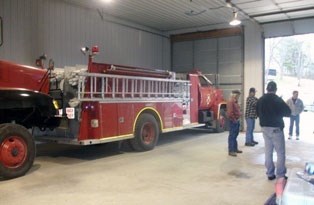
(34, 27)
(222, 58)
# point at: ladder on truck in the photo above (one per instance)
(116, 88)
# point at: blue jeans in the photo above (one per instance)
(274, 139)
(233, 134)
(250, 122)
(296, 119)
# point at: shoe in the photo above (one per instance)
(255, 142)
(249, 144)
(271, 177)
(297, 138)
(239, 151)
(289, 138)
(233, 154)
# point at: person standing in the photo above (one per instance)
(250, 116)
(296, 106)
(233, 113)
(271, 109)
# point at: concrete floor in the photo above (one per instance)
(190, 167)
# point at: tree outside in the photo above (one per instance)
(293, 59)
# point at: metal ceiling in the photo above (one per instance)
(169, 15)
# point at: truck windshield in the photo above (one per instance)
(1, 32)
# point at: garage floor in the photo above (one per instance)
(188, 167)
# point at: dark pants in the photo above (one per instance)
(295, 119)
(233, 134)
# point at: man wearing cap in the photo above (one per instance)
(270, 110)
(234, 113)
(250, 116)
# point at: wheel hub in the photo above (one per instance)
(148, 133)
(13, 152)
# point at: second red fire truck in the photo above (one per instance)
(103, 104)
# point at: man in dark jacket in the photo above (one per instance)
(270, 110)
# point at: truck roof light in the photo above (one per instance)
(95, 50)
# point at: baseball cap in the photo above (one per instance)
(236, 92)
(271, 86)
(252, 90)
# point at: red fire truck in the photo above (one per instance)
(105, 103)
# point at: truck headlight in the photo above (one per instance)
(55, 103)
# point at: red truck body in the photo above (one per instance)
(21, 76)
(107, 103)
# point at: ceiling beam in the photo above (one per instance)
(283, 12)
(207, 34)
(286, 20)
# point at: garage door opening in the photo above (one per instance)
(289, 61)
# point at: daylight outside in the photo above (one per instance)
(289, 61)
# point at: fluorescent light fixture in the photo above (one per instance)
(107, 1)
(235, 21)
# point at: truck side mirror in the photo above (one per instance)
(51, 64)
(40, 61)
(84, 50)
(1, 32)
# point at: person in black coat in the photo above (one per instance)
(271, 109)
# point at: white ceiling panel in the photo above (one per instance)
(168, 15)
(276, 17)
(301, 14)
(296, 4)
(261, 9)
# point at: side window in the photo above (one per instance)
(203, 81)
(1, 32)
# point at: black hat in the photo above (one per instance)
(252, 90)
(271, 86)
(236, 92)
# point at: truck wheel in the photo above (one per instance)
(17, 150)
(146, 133)
(221, 122)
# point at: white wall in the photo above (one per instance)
(253, 58)
(34, 27)
(253, 62)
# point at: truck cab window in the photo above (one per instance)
(204, 81)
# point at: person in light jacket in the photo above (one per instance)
(296, 106)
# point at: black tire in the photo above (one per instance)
(146, 133)
(17, 150)
(221, 122)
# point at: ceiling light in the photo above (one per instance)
(228, 3)
(107, 1)
(235, 21)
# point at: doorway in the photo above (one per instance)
(289, 61)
